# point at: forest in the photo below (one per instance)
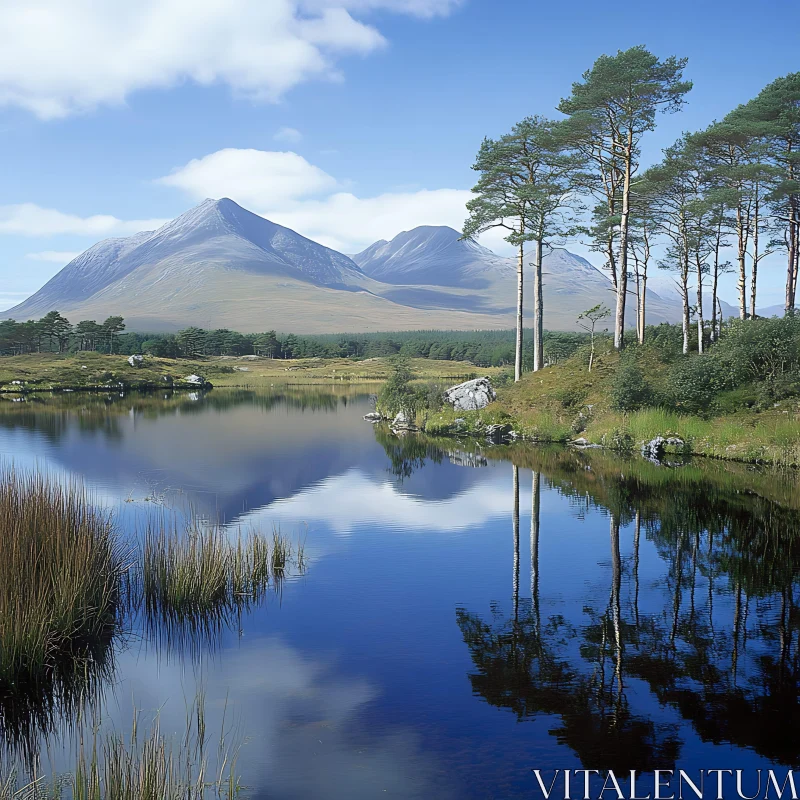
(53, 333)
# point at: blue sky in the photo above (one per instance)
(348, 120)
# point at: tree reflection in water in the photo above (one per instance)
(722, 649)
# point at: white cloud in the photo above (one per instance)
(56, 256)
(349, 223)
(254, 178)
(29, 219)
(287, 135)
(287, 189)
(351, 500)
(65, 56)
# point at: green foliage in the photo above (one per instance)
(694, 383)
(629, 390)
(397, 394)
(760, 349)
(619, 440)
(571, 396)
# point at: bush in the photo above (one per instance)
(630, 391)
(694, 383)
(758, 349)
(621, 441)
(396, 394)
(571, 396)
(777, 388)
(734, 400)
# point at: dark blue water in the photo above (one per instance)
(464, 618)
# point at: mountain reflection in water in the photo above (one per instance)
(609, 613)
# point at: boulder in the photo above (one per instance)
(136, 361)
(195, 380)
(470, 395)
(373, 416)
(654, 449)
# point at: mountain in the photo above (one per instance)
(221, 266)
(215, 233)
(433, 267)
(433, 255)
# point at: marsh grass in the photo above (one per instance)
(146, 764)
(205, 573)
(60, 570)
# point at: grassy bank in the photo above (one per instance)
(566, 402)
(51, 371)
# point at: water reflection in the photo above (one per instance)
(610, 612)
(720, 647)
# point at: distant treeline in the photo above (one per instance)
(55, 333)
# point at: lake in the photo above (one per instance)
(465, 615)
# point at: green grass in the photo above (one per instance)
(563, 402)
(45, 371)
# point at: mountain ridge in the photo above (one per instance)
(220, 265)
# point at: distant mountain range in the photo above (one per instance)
(221, 266)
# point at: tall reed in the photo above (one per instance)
(202, 572)
(60, 569)
(145, 765)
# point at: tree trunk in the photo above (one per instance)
(715, 281)
(538, 311)
(742, 245)
(637, 276)
(755, 259)
(794, 236)
(700, 333)
(685, 317)
(796, 262)
(642, 311)
(518, 353)
(622, 278)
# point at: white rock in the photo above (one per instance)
(195, 380)
(136, 361)
(471, 395)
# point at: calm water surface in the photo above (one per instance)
(464, 617)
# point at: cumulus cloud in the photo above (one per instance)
(287, 135)
(55, 256)
(254, 178)
(29, 219)
(287, 189)
(64, 56)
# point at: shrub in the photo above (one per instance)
(777, 388)
(396, 394)
(694, 383)
(619, 440)
(571, 396)
(629, 390)
(759, 349)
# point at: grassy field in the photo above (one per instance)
(86, 370)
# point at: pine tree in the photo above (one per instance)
(609, 113)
